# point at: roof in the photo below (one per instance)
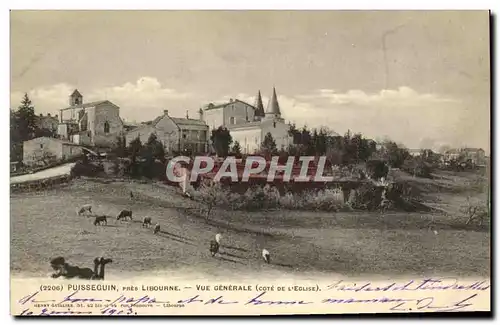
(55, 140)
(185, 121)
(259, 107)
(76, 93)
(226, 104)
(177, 120)
(273, 107)
(91, 104)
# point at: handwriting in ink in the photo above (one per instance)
(256, 301)
(210, 301)
(405, 305)
(29, 298)
(48, 312)
(71, 298)
(427, 284)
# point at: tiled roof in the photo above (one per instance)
(228, 103)
(185, 121)
(85, 105)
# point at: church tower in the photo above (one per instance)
(273, 108)
(75, 98)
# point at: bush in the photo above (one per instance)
(418, 168)
(376, 169)
(366, 197)
(211, 194)
(87, 169)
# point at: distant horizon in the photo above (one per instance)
(401, 75)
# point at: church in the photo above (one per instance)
(249, 124)
(93, 124)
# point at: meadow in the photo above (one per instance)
(44, 224)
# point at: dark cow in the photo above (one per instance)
(146, 222)
(124, 214)
(101, 220)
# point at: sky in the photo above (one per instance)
(420, 78)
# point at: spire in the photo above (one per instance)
(273, 107)
(259, 106)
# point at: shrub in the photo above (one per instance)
(211, 194)
(376, 169)
(475, 212)
(87, 169)
(366, 197)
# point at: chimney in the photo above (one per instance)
(165, 112)
(187, 114)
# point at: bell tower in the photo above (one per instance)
(75, 98)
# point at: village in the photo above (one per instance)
(96, 127)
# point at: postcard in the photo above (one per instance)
(249, 162)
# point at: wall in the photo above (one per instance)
(249, 139)
(239, 111)
(36, 149)
(168, 134)
(142, 132)
(279, 132)
(70, 151)
(97, 118)
(214, 117)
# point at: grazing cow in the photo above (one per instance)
(146, 222)
(218, 237)
(214, 247)
(84, 208)
(124, 214)
(266, 256)
(156, 229)
(101, 220)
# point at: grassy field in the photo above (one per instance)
(45, 225)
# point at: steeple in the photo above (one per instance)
(75, 98)
(273, 107)
(259, 106)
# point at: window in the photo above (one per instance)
(274, 124)
(232, 120)
(106, 127)
(41, 145)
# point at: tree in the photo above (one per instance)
(236, 150)
(134, 150)
(269, 145)
(221, 140)
(121, 146)
(26, 119)
(395, 155)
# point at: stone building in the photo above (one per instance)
(249, 124)
(47, 122)
(93, 124)
(43, 150)
(176, 134)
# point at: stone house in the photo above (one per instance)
(43, 150)
(176, 134)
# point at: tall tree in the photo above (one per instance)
(26, 119)
(221, 140)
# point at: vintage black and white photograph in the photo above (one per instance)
(249, 144)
